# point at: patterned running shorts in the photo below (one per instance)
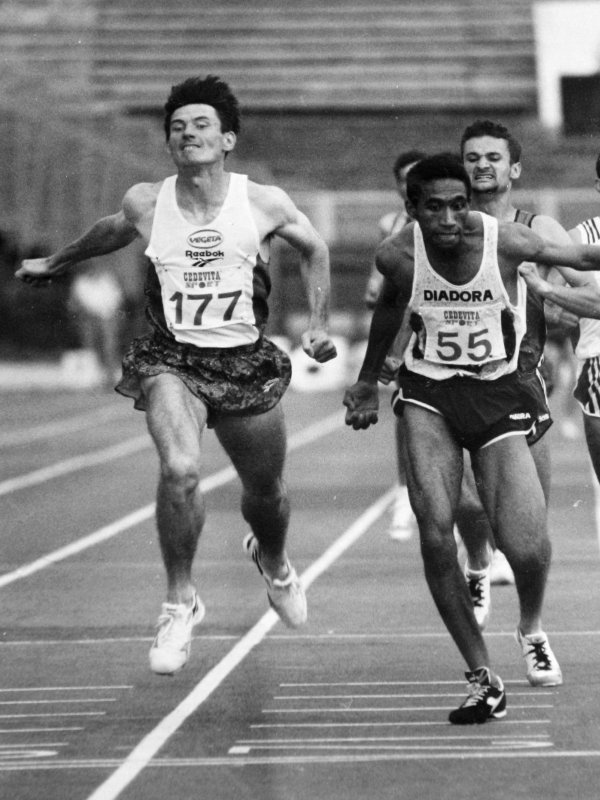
(250, 379)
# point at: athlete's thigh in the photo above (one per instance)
(434, 464)
(540, 452)
(175, 417)
(507, 479)
(256, 445)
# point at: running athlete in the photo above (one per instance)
(206, 362)
(456, 272)
(587, 390)
(492, 158)
(402, 521)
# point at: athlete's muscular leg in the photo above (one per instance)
(591, 426)
(176, 419)
(434, 471)
(256, 446)
(514, 502)
(472, 521)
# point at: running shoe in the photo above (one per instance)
(478, 582)
(484, 701)
(286, 596)
(542, 667)
(501, 573)
(402, 522)
(171, 647)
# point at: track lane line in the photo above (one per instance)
(144, 752)
(300, 439)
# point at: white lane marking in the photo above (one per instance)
(61, 427)
(394, 724)
(56, 714)
(60, 700)
(377, 696)
(62, 688)
(380, 709)
(69, 465)
(362, 748)
(62, 729)
(147, 748)
(430, 738)
(299, 439)
(229, 761)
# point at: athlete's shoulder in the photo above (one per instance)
(396, 251)
(140, 198)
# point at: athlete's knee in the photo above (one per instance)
(180, 475)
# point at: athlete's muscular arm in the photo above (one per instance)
(517, 243)
(362, 399)
(278, 216)
(105, 236)
(578, 292)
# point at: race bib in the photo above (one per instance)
(463, 337)
(202, 299)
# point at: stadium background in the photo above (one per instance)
(330, 93)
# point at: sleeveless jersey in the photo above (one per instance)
(588, 345)
(470, 329)
(534, 338)
(208, 286)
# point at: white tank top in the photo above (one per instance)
(206, 272)
(470, 329)
(588, 345)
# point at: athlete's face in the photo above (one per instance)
(195, 136)
(442, 212)
(487, 161)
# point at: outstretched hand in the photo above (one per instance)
(362, 402)
(37, 271)
(319, 346)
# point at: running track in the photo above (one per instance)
(352, 706)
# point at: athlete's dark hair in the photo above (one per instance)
(210, 91)
(485, 127)
(406, 158)
(433, 168)
(598, 166)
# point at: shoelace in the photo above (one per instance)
(476, 590)
(477, 692)
(540, 656)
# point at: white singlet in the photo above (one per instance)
(588, 345)
(462, 331)
(206, 272)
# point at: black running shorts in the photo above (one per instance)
(477, 412)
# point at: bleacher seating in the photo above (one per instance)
(309, 55)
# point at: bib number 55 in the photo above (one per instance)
(475, 348)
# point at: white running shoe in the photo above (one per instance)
(286, 596)
(171, 647)
(403, 520)
(478, 582)
(501, 573)
(542, 667)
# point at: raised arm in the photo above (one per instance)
(579, 295)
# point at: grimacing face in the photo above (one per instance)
(487, 161)
(195, 135)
